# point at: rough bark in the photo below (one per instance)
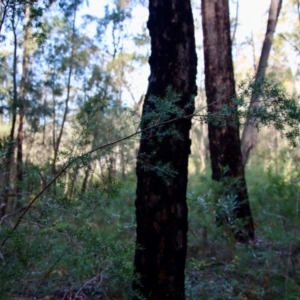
(161, 209)
(224, 141)
(249, 136)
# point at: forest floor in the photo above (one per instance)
(219, 270)
(86, 251)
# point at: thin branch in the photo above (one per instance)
(236, 22)
(298, 9)
(89, 281)
(12, 214)
(5, 9)
(50, 269)
(289, 42)
(60, 257)
(64, 234)
(68, 164)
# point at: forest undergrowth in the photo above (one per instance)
(82, 248)
(268, 267)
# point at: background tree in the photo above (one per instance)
(249, 136)
(21, 103)
(224, 140)
(78, 239)
(11, 145)
(161, 208)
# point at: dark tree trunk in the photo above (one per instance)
(161, 209)
(224, 141)
(123, 161)
(86, 178)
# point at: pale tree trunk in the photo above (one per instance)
(201, 133)
(224, 141)
(236, 21)
(161, 208)
(21, 103)
(249, 136)
(57, 141)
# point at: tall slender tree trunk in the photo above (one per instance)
(11, 146)
(249, 137)
(122, 160)
(224, 142)
(21, 103)
(161, 208)
(57, 141)
(86, 178)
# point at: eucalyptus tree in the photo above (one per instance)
(250, 132)
(10, 8)
(21, 103)
(6, 188)
(224, 140)
(66, 68)
(21, 28)
(16, 103)
(162, 161)
(106, 82)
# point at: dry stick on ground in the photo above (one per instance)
(88, 282)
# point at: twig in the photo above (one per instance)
(10, 215)
(87, 282)
(67, 165)
(89, 152)
(236, 22)
(50, 270)
(290, 43)
(55, 231)
(61, 256)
